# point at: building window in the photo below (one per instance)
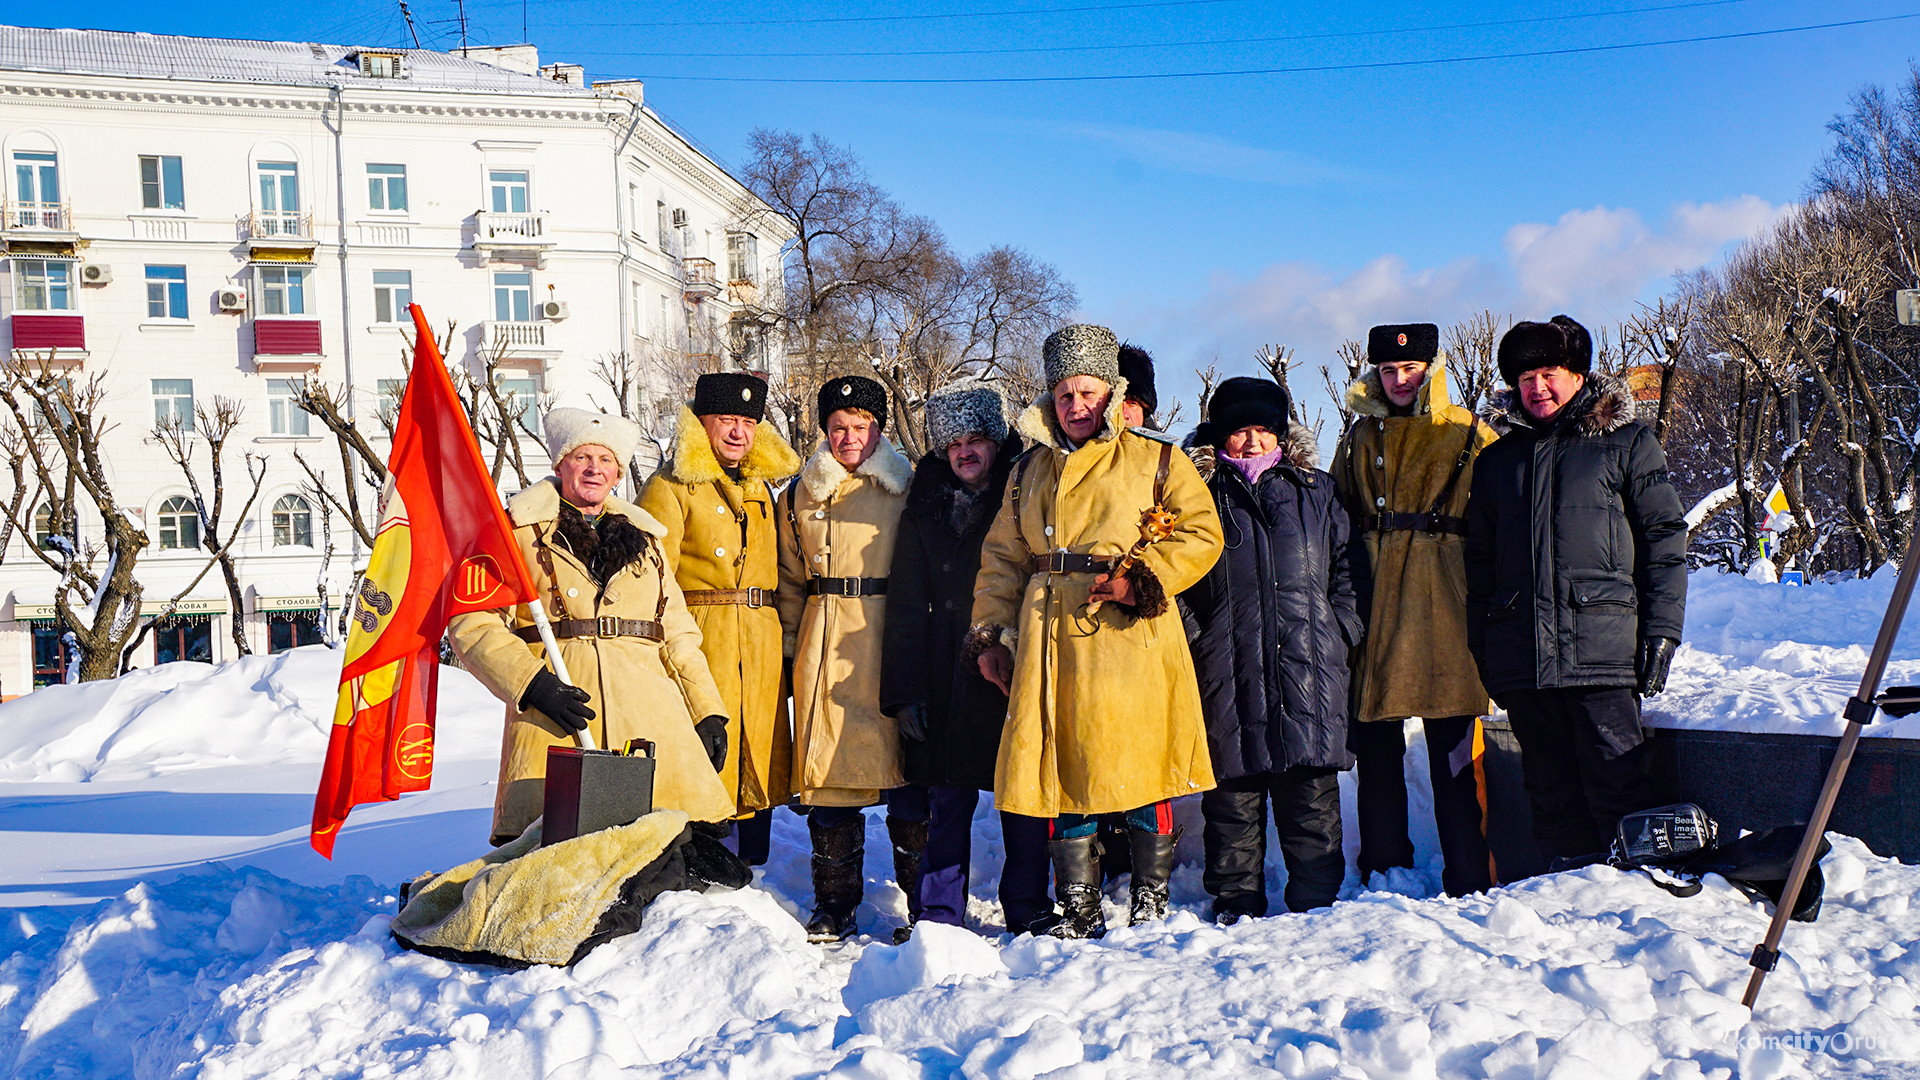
(279, 198)
(507, 192)
(512, 296)
(662, 329)
(665, 230)
(741, 257)
(392, 292)
(51, 655)
(639, 311)
(173, 403)
(284, 414)
(166, 292)
(292, 629)
(42, 285)
(380, 65)
(292, 522)
(188, 638)
(179, 524)
(387, 187)
(45, 532)
(522, 395)
(391, 391)
(36, 184)
(160, 184)
(283, 291)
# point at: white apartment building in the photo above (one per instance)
(196, 218)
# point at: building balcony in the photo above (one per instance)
(37, 217)
(699, 280)
(495, 231)
(509, 339)
(280, 341)
(277, 231)
(741, 292)
(60, 338)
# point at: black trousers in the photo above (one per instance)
(1585, 759)
(1306, 814)
(1381, 794)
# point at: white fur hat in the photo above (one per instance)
(568, 429)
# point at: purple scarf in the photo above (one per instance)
(1254, 467)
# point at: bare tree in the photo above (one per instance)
(1471, 346)
(215, 424)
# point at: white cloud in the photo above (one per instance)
(1606, 258)
(1208, 155)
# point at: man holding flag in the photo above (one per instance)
(448, 560)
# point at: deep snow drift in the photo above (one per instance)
(165, 918)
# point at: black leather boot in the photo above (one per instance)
(837, 881)
(1152, 865)
(1076, 884)
(909, 855)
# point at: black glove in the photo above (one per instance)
(713, 735)
(1656, 655)
(913, 722)
(561, 703)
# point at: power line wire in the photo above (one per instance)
(1322, 36)
(903, 18)
(1297, 70)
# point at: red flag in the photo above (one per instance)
(444, 547)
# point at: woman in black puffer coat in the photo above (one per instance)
(1275, 620)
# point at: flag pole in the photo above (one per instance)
(539, 612)
(1859, 712)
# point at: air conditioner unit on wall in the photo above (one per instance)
(679, 219)
(96, 273)
(553, 309)
(231, 299)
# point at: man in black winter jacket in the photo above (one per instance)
(1576, 583)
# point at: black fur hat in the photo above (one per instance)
(730, 393)
(1136, 366)
(1240, 402)
(854, 392)
(1399, 342)
(1559, 342)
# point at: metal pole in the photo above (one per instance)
(1859, 711)
(539, 612)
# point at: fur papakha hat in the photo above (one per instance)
(1136, 366)
(569, 429)
(1397, 343)
(963, 408)
(1558, 342)
(1081, 349)
(1243, 401)
(854, 392)
(730, 393)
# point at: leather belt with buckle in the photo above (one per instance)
(847, 586)
(1426, 523)
(1067, 562)
(606, 626)
(753, 597)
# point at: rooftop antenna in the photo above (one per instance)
(462, 5)
(408, 15)
(523, 20)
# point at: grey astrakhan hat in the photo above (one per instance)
(1081, 349)
(965, 408)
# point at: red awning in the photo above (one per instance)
(54, 332)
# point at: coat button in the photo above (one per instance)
(719, 553)
(949, 605)
(573, 592)
(816, 558)
(720, 509)
(1380, 501)
(1379, 462)
(946, 567)
(1048, 530)
(818, 514)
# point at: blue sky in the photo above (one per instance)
(1203, 216)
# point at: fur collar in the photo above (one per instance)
(933, 478)
(1039, 426)
(541, 503)
(1604, 405)
(1302, 452)
(694, 462)
(1366, 397)
(886, 466)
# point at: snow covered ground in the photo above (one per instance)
(162, 916)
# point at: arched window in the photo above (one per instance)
(43, 525)
(292, 522)
(179, 524)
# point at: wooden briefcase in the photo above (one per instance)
(590, 790)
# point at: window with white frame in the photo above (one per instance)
(36, 190)
(45, 529)
(42, 285)
(392, 292)
(522, 394)
(166, 292)
(661, 220)
(160, 183)
(379, 65)
(173, 403)
(292, 522)
(507, 191)
(284, 414)
(633, 210)
(391, 391)
(512, 296)
(639, 311)
(283, 290)
(741, 256)
(387, 188)
(662, 329)
(179, 524)
(279, 208)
